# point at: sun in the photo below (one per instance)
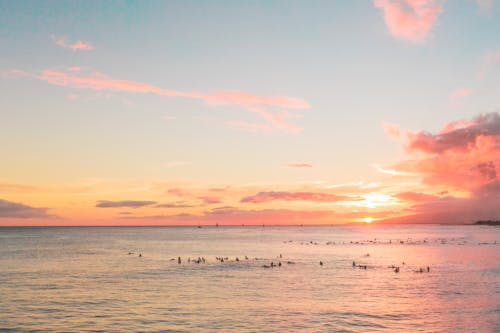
(368, 220)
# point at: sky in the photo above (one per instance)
(249, 112)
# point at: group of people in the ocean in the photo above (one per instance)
(200, 260)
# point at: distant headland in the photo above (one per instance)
(488, 222)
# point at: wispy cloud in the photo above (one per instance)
(9, 209)
(177, 192)
(210, 200)
(391, 172)
(299, 165)
(458, 95)
(75, 46)
(489, 61)
(293, 196)
(485, 6)
(124, 203)
(13, 188)
(173, 205)
(273, 109)
(411, 20)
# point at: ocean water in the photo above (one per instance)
(84, 279)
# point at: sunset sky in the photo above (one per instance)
(249, 112)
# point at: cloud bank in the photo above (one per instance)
(9, 209)
(464, 157)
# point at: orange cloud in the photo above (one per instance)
(75, 46)
(411, 20)
(260, 105)
(293, 196)
(416, 196)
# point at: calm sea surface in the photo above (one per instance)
(84, 280)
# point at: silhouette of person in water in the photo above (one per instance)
(179, 260)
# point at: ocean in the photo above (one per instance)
(128, 279)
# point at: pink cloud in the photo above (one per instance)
(464, 155)
(260, 105)
(465, 136)
(177, 192)
(75, 46)
(262, 197)
(410, 20)
(395, 131)
(458, 95)
(14, 74)
(209, 200)
(299, 165)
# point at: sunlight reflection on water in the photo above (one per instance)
(82, 279)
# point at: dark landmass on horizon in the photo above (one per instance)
(488, 222)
